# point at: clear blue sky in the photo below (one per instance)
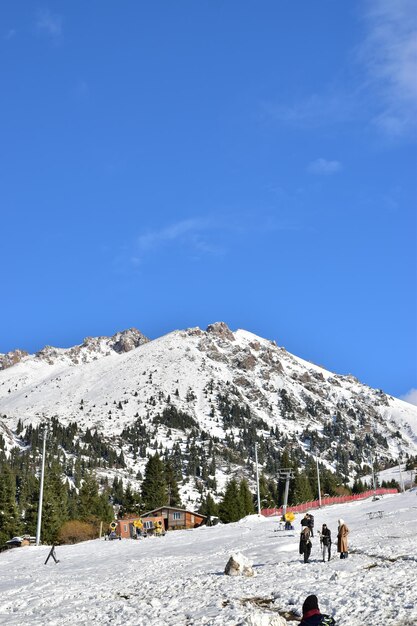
(170, 164)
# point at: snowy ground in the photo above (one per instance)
(179, 579)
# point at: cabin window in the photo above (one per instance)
(125, 528)
(177, 515)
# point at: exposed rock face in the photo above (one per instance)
(246, 361)
(91, 349)
(11, 358)
(128, 340)
(225, 383)
(221, 330)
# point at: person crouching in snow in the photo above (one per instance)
(305, 543)
(342, 539)
(312, 615)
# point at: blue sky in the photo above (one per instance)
(171, 164)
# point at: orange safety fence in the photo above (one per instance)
(306, 506)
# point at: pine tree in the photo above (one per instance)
(131, 500)
(30, 503)
(154, 487)
(172, 485)
(208, 506)
(246, 498)
(230, 508)
(55, 503)
(9, 512)
(265, 493)
(302, 489)
(88, 501)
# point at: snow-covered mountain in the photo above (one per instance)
(223, 386)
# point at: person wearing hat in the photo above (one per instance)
(342, 539)
(312, 615)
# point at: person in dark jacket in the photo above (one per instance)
(311, 523)
(308, 520)
(326, 542)
(304, 520)
(312, 615)
(305, 543)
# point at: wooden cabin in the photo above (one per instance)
(175, 518)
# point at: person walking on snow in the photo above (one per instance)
(326, 541)
(342, 539)
(312, 615)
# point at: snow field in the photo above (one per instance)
(179, 579)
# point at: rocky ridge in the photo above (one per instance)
(215, 390)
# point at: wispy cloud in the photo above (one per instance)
(194, 235)
(212, 235)
(331, 106)
(323, 167)
(410, 397)
(380, 92)
(49, 24)
(389, 54)
(183, 230)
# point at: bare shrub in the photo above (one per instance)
(75, 531)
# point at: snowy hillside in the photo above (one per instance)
(230, 386)
(178, 579)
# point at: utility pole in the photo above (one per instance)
(318, 477)
(257, 479)
(373, 475)
(38, 527)
(401, 476)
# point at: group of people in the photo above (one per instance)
(311, 612)
(307, 532)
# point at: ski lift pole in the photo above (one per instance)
(38, 527)
(286, 474)
(318, 478)
(373, 475)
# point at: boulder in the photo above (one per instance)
(238, 565)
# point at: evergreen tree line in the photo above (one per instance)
(63, 501)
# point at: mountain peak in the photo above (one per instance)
(11, 358)
(220, 329)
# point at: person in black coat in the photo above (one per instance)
(326, 541)
(308, 520)
(312, 615)
(311, 523)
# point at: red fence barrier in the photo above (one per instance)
(306, 506)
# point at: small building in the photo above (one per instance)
(132, 527)
(175, 518)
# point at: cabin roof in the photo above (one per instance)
(173, 508)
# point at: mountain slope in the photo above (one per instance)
(234, 388)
